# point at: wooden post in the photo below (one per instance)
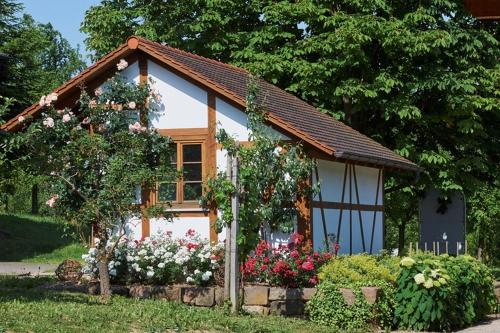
(458, 248)
(234, 285)
(425, 246)
(227, 257)
(437, 248)
(446, 247)
(416, 247)
(411, 250)
(434, 248)
(465, 247)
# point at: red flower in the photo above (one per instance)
(298, 262)
(313, 280)
(192, 246)
(266, 260)
(262, 248)
(263, 268)
(294, 254)
(308, 266)
(297, 238)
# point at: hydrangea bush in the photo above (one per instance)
(161, 259)
(294, 265)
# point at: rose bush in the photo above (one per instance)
(294, 265)
(160, 259)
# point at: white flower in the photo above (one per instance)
(48, 122)
(51, 98)
(287, 177)
(142, 252)
(97, 241)
(66, 118)
(42, 101)
(112, 272)
(150, 274)
(98, 91)
(136, 267)
(428, 283)
(131, 105)
(122, 65)
(197, 271)
(20, 119)
(205, 277)
(130, 258)
(277, 151)
(419, 278)
(434, 273)
(161, 265)
(189, 279)
(92, 251)
(407, 262)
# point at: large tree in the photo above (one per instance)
(421, 77)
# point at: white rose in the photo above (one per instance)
(419, 278)
(161, 265)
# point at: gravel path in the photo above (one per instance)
(492, 325)
(18, 268)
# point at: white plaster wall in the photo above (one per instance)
(182, 105)
(133, 227)
(131, 73)
(332, 222)
(180, 225)
(331, 175)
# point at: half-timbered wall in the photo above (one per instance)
(360, 222)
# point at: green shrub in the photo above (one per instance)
(442, 292)
(328, 307)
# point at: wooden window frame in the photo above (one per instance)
(181, 137)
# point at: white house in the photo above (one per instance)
(198, 95)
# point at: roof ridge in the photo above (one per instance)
(194, 55)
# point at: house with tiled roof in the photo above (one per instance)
(200, 95)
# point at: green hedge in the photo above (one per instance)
(442, 292)
(423, 292)
(328, 307)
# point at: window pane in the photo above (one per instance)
(192, 191)
(167, 192)
(192, 172)
(191, 153)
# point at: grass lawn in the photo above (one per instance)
(24, 308)
(36, 239)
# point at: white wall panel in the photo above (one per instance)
(180, 225)
(133, 227)
(183, 104)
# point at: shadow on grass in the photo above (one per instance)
(31, 290)
(24, 237)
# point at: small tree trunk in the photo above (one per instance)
(34, 199)
(401, 237)
(104, 283)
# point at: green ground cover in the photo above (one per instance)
(37, 239)
(25, 308)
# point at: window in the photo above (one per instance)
(188, 159)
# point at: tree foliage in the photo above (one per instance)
(420, 77)
(98, 159)
(271, 176)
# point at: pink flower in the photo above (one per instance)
(42, 101)
(98, 91)
(294, 254)
(136, 127)
(48, 122)
(122, 65)
(52, 201)
(169, 233)
(66, 118)
(60, 111)
(21, 119)
(51, 97)
(131, 105)
(191, 232)
(86, 121)
(308, 266)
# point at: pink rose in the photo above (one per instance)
(308, 266)
(52, 97)
(86, 121)
(52, 201)
(294, 254)
(122, 65)
(48, 122)
(131, 105)
(98, 91)
(42, 102)
(191, 232)
(136, 127)
(66, 118)
(21, 119)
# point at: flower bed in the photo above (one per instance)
(294, 265)
(161, 259)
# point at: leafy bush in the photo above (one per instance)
(160, 259)
(442, 292)
(328, 307)
(293, 265)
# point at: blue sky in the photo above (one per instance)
(65, 15)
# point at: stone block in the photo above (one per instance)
(198, 296)
(287, 308)
(140, 291)
(256, 309)
(169, 293)
(281, 294)
(349, 296)
(307, 293)
(219, 296)
(117, 289)
(256, 295)
(371, 294)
